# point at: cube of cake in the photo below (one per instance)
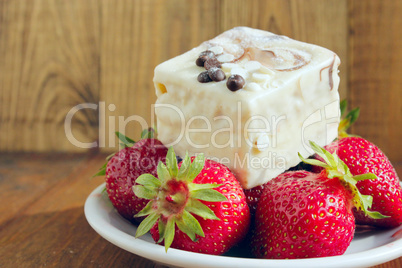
(249, 99)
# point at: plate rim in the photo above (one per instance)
(375, 256)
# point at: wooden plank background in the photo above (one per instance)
(56, 54)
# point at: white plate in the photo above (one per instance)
(369, 247)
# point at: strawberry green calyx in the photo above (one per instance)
(125, 141)
(336, 168)
(347, 120)
(174, 198)
(149, 133)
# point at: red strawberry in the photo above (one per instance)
(205, 202)
(123, 169)
(253, 194)
(361, 156)
(305, 215)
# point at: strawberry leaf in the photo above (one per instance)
(192, 223)
(208, 195)
(185, 229)
(148, 180)
(145, 192)
(327, 156)
(161, 229)
(163, 172)
(169, 233)
(347, 120)
(146, 210)
(353, 115)
(198, 208)
(101, 172)
(196, 186)
(148, 133)
(189, 225)
(146, 224)
(334, 174)
(365, 202)
(375, 215)
(184, 168)
(127, 142)
(313, 162)
(343, 106)
(110, 157)
(367, 176)
(195, 167)
(171, 163)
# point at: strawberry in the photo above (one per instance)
(305, 215)
(202, 198)
(253, 194)
(124, 167)
(298, 227)
(361, 157)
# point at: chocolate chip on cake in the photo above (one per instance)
(216, 74)
(235, 82)
(204, 77)
(207, 53)
(212, 62)
(200, 61)
(204, 56)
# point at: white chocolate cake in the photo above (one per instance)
(249, 99)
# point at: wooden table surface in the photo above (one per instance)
(42, 220)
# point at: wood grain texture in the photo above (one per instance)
(57, 54)
(375, 72)
(49, 54)
(42, 222)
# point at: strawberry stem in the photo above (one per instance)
(169, 199)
